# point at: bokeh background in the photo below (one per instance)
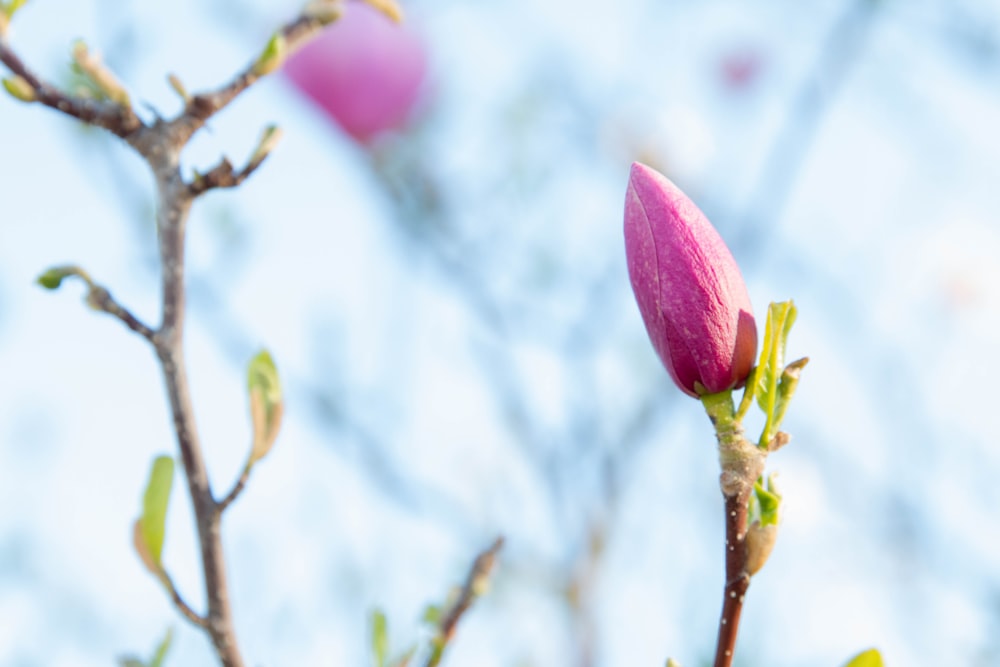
(463, 358)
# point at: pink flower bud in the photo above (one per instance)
(364, 70)
(690, 292)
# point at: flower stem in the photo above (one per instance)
(742, 463)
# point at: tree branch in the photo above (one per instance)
(174, 208)
(202, 106)
(115, 118)
(161, 143)
(737, 578)
(223, 175)
(475, 581)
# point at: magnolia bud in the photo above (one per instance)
(364, 71)
(690, 292)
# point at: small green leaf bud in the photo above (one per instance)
(19, 88)
(266, 404)
(53, 278)
(324, 11)
(178, 87)
(269, 138)
(787, 384)
(273, 55)
(102, 78)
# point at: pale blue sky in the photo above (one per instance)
(879, 215)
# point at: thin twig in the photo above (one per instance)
(183, 607)
(475, 581)
(202, 106)
(235, 492)
(98, 297)
(101, 299)
(161, 143)
(115, 118)
(223, 175)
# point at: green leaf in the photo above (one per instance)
(380, 638)
(266, 404)
(152, 523)
(432, 615)
(869, 658)
(787, 384)
(160, 654)
(767, 502)
(780, 318)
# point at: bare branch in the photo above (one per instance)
(202, 106)
(737, 578)
(475, 582)
(172, 216)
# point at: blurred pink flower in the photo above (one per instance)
(364, 71)
(690, 292)
(739, 69)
